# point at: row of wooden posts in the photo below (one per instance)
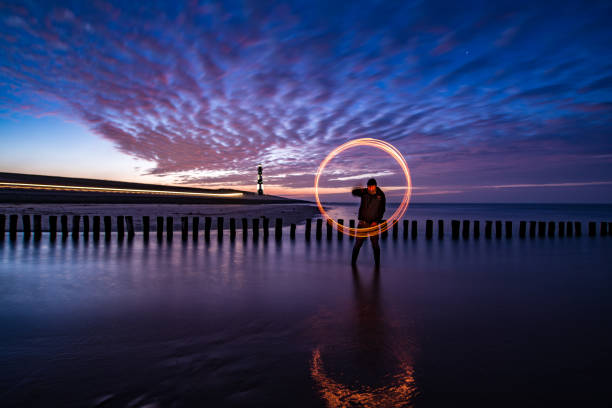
(123, 223)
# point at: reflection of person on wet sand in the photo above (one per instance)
(371, 212)
(385, 379)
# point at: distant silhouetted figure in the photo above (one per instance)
(371, 212)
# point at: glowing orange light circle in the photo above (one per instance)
(393, 152)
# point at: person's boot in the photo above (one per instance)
(354, 256)
(377, 257)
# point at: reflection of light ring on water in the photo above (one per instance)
(398, 392)
(393, 152)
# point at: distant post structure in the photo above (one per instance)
(260, 179)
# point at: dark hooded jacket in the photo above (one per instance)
(372, 206)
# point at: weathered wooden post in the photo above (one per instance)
(86, 227)
(541, 229)
(232, 229)
(292, 232)
(207, 227)
(395, 229)
(169, 228)
(498, 229)
(96, 227)
(64, 221)
(255, 229)
(440, 229)
(428, 229)
(455, 229)
(603, 228)
(107, 227)
(2, 226)
(159, 227)
(184, 228)
(278, 229)
(466, 229)
(551, 229)
(476, 229)
(266, 228)
(37, 227)
(385, 233)
(245, 229)
(27, 227)
(195, 228)
(219, 228)
(592, 229)
(129, 220)
(488, 228)
(319, 231)
(405, 228)
(351, 225)
(330, 230)
(308, 228)
(532, 229)
(13, 218)
(570, 229)
(508, 229)
(414, 229)
(561, 228)
(578, 228)
(522, 229)
(341, 224)
(120, 228)
(76, 220)
(146, 227)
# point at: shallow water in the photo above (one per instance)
(443, 323)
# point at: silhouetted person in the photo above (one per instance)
(371, 212)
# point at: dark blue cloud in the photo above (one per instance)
(495, 92)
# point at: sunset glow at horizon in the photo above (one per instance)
(497, 102)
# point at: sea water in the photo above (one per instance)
(495, 322)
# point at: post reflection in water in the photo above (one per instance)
(386, 375)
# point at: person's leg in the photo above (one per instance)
(356, 248)
(375, 249)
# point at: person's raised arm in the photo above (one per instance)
(358, 191)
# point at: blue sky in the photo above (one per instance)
(488, 101)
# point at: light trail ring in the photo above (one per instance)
(393, 152)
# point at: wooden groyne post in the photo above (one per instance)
(2, 226)
(220, 228)
(232, 229)
(592, 229)
(385, 233)
(308, 228)
(440, 229)
(498, 229)
(508, 229)
(255, 229)
(405, 229)
(466, 229)
(603, 228)
(414, 229)
(340, 234)
(329, 229)
(522, 229)
(578, 228)
(541, 229)
(561, 228)
(278, 229)
(37, 227)
(395, 229)
(146, 227)
(169, 228)
(428, 229)
(159, 227)
(532, 229)
(195, 228)
(184, 228)
(476, 229)
(27, 227)
(96, 227)
(129, 221)
(455, 229)
(76, 220)
(86, 227)
(245, 229)
(319, 231)
(107, 227)
(207, 227)
(13, 218)
(292, 231)
(551, 229)
(351, 225)
(488, 229)
(120, 227)
(64, 222)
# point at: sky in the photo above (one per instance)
(487, 101)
